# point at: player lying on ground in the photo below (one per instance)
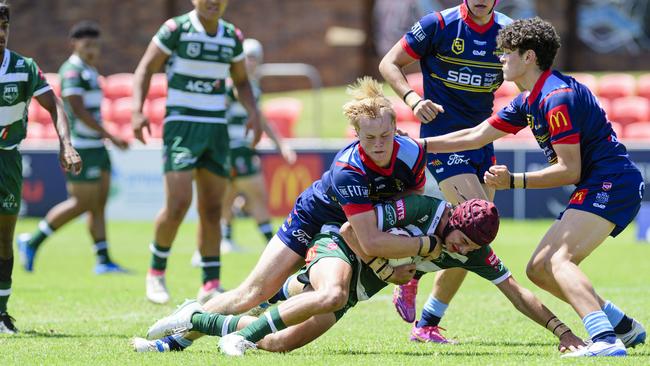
(335, 279)
(582, 149)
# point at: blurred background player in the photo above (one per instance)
(582, 149)
(447, 44)
(200, 51)
(20, 80)
(246, 177)
(82, 97)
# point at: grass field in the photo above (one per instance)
(68, 316)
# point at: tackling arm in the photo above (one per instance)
(467, 139)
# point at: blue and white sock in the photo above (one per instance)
(432, 312)
(599, 327)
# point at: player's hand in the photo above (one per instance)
(401, 132)
(498, 177)
(288, 154)
(119, 142)
(139, 122)
(426, 110)
(70, 159)
(254, 123)
(402, 274)
(569, 342)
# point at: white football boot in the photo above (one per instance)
(599, 349)
(234, 344)
(635, 336)
(179, 321)
(157, 289)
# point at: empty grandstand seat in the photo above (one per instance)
(106, 108)
(500, 103)
(630, 109)
(412, 128)
(55, 82)
(606, 105)
(618, 128)
(616, 85)
(121, 110)
(416, 82)
(402, 111)
(154, 109)
(643, 86)
(35, 131)
(158, 86)
(587, 79)
(118, 86)
(507, 89)
(282, 114)
(37, 113)
(638, 130)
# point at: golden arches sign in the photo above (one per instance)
(287, 182)
(557, 120)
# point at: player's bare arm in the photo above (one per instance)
(467, 139)
(68, 156)
(80, 111)
(391, 69)
(246, 98)
(152, 61)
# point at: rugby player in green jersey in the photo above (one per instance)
(200, 50)
(88, 191)
(335, 279)
(20, 80)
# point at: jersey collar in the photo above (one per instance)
(367, 161)
(5, 62)
(538, 86)
(196, 23)
(464, 13)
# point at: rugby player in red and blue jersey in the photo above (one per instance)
(457, 52)
(582, 149)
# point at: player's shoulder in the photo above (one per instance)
(18, 61)
(451, 15)
(502, 19)
(348, 162)
(231, 31)
(557, 89)
(409, 151)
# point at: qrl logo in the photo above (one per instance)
(458, 46)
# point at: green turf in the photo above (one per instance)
(69, 316)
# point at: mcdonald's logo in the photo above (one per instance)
(558, 120)
(578, 197)
(287, 182)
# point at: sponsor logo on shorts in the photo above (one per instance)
(390, 215)
(436, 162)
(440, 170)
(301, 236)
(607, 186)
(578, 197)
(457, 159)
(401, 210)
(332, 246)
(10, 202)
(602, 198)
(418, 32)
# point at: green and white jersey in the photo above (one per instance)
(79, 78)
(20, 80)
(238, 117)
(421, 215)
(198, 67)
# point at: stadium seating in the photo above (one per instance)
(158, 86)
(618, 128)
(107, 111)
(638, 131)
(631, 109)
(121, 110)
(587, 79)
(412, 128)
(643, 86)
(507, 90)
(282, 114)
(415, 81)
(606, 105)
(37, 113)
(118, 86)
(154, 109)
(616, 85)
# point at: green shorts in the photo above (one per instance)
(364, 282)
(11, 181)
(193, 145)
(244, 162)
(94, 162)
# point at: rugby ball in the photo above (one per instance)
(401, 261)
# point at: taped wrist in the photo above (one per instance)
(556, 326)
(382, 269)
(427, 245)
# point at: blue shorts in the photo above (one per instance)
(305, 221)
(615, 197)
(445, 165)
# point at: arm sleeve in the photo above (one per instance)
(167, 36)
(485, 263)
(562, 116)
(422, 37)
(38, 84)
(351, 190)
(512, 118)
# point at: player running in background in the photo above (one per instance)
(456, 49)
(88, 191)
(200, 51)
(379, 166)
(20, 80)
(582, 149)
(335, 279)
(246, 177)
